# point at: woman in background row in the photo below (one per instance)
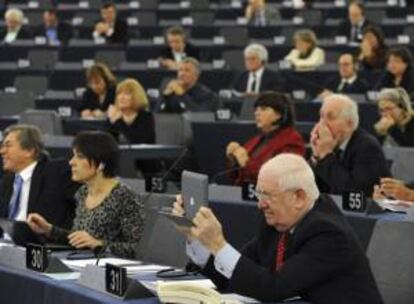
(373, 51)
(306, 54)
(100, 92)
(275, 120)
(129, 117)
(396, 124)
(109, 214)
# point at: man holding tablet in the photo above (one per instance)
(299, 251)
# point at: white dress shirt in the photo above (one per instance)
(11, 36)
(258, 74)
(348, 81)
(26, 175)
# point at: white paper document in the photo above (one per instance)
(395, 205)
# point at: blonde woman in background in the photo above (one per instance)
(306, 54)
(396, 124)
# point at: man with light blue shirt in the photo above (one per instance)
(300, 249)
(54, 30)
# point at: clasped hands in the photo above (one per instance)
(235, 151)
(207, 229)
(323, 141)
(77, 239)
(394, 189)
(176, 87)
(384, 124)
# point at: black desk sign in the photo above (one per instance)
(223, 115)
(36, 257)
(354, 201)
(116, 281)
(249, 192)
(155, 184)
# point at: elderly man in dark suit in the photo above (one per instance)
(32, 183)
(300, 250)
(112, 28)
(257, 78)
(345, 157)
(14, 26)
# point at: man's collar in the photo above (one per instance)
(259, 72)
(350, 80)
(27, 172)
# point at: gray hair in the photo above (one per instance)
(29, 137)
(258, 51)
(306, 35)
(350, 109)
(397, 96)
(14, 13)
(194, 62)
(292, 172)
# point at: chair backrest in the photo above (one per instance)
(148, 4)
(390, 254)
(137, 185)
(111, 58)
(145, 18)
(202, 18)
(402, 162)
(33, 84)
(235, 36)
(189, 118)
(169, 129)
(47, 121)
(16, 103)
(200, 5)
(234, 59)
(42, 59)
(247, 108)
(161, 243)
(311, 17)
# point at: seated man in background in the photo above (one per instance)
(14, 26)
(345, 157)
(348, 81)
(54, 30)
(300, 249)
(113, 29)
(353, 27)
(185, 93)
(178, 48)
(258, 13)
(32, 182)
(257, 78)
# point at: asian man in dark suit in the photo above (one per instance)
(353, 27)
(300, 250)
(32, 182)
(110, 27)
(54, 30)
(257, 78)
(347, 81)
(345, 157)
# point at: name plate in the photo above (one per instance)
(116, 281)
(249, 192)
(341, 40)
(155, 184)
(223, 115)
(354, 201)
(36, 257)
(65, 111)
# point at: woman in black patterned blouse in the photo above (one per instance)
(108, 214)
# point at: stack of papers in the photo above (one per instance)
(395, 205)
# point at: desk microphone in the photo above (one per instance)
(224, 172)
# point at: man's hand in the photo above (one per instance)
(101, 28)
(208, 230)
(82, 239)
(39, 224)
(396, 189)
(323, 141)
(174, 87)
(169, 64)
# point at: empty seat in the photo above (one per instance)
(46, 120)
(235, 36)
(145, 18)
(189, 118)
(234, 59)
(202, 18)
(87, 18)
(393, 268)
(375, 14)
(332, 57)
(34, 18)
(148, 4)
(42, 59)
(402, 162)
(112, 58)
(169, 129)
(311, 17)
(16, 103)
(33, 84)
(200, 5)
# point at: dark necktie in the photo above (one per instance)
(14, 204)
(253, 83)
(344, 87)
(281, 250)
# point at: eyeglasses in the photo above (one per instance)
(265, 197)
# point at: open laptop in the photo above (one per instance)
(194, 189)
(21, 234)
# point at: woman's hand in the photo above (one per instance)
(384, 124)
(82, 239)
(114, 114)
(242, 156)
(38, 224)
(231, 148)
